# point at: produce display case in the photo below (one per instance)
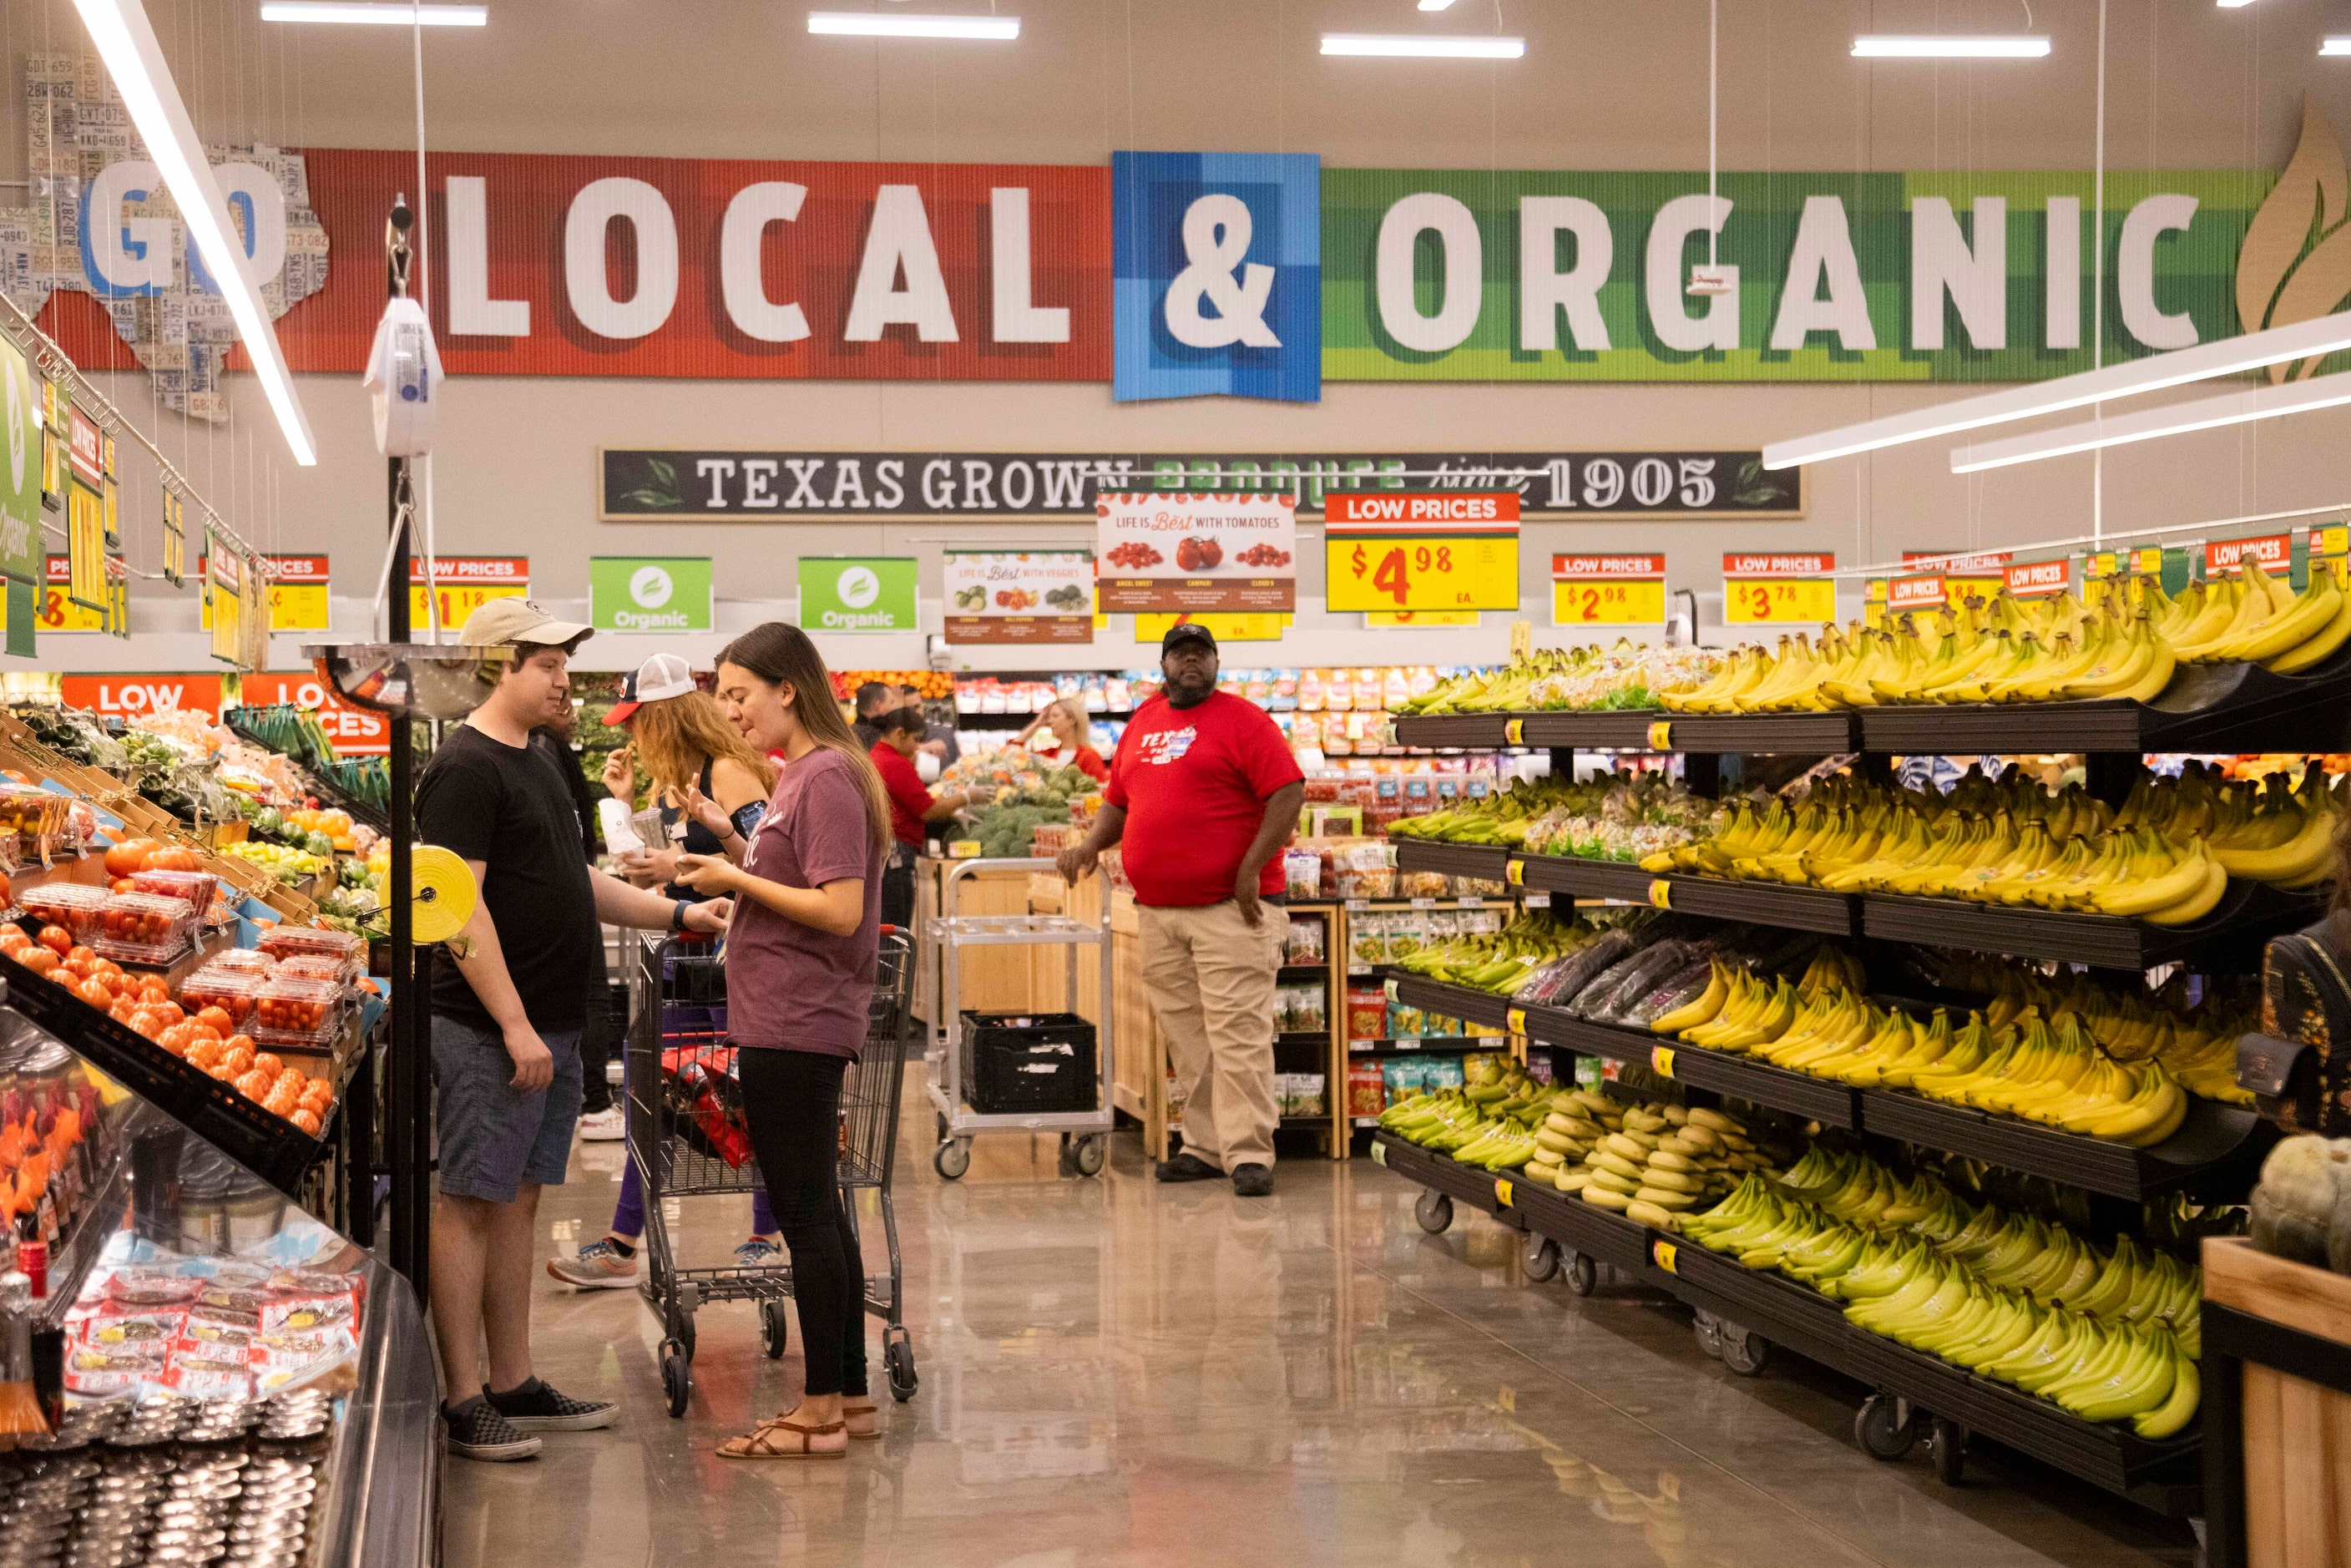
(2277, 1410)
(220, 1353)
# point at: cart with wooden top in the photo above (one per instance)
(2276, 1410)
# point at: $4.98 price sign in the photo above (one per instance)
(1389, 552)
(1607, 590)
(1778, 587)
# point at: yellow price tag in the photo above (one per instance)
(1515, 872)
(1665, 1253)
(1238, 626)
(1750, 601)
(55, 613)
(1661, 893)
(1391, 571)
(2330, 548)
(1514, 732)
(1516, 1019)
(456, 600)
(1661, 1061)
(1379, 1153)
(1962, 589)
(1406, 620)
(1608, 602)
(1502, 1191)
(1661, 735)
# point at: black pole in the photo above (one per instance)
(408, 1081)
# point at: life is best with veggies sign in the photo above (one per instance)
(1019, 596)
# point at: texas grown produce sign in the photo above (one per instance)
(640, 485)
(1026, 596)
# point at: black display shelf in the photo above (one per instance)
(2219, 1148)
(1757, 902)
(1635, 730)
(1801, 734)
(2207, 707)
(2229, 940)
(1474, 1185)
(1578, 877)
(1450, 1001)
(1489, 862)
(275, 1149)
(1722, 1072)
(1600, 1233)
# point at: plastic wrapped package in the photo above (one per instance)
(144, 928)
(35, 819)
(74, 905)
(286, 941)
(298, 1012)
(1367, 1089)
(1654, 965)
(314, 967)
(1367, 1012)
(243, 961)
(1685, 985)
(1305, 944)
(192, 888)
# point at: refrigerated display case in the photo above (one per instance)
(217, 1368)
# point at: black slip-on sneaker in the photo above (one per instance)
(535, 1407)
(478, 1431)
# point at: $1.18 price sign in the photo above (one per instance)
(1388, 573)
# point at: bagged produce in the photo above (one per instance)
(2302, 1210)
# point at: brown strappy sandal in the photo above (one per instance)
(766, 1441)
(851, 1413)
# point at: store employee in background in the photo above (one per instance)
(1065, 719)
(1203, 794)
(900, 732)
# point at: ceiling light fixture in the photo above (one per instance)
(2335, 46)
(867, 25)
(1436, 5)
(1407, 46)
(1935, 47)
(2177, 419)
(362, 13)
(2234, 4)
(2222, 357)
(126, 42)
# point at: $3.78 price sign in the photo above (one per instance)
(1809, 599)
(1388, 573)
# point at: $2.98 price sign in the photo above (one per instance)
(1607, 590)
(1778, 587)
(1389, 552)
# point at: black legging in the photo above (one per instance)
(791, 1107)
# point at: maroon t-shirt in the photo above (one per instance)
(1194, 782)
(790, 986)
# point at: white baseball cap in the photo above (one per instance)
(663, 676)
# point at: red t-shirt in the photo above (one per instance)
(1194, 783)
(908, 798)
(1087, 761)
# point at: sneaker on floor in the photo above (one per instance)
(1187, 1166)
(478, 1430)
(598, 1267)
(1252, 1181)
(605, 1126)
(535, 1407)
(756, 1252)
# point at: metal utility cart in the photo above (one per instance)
(1086, 1135)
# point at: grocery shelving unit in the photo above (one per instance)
(2213, 1157)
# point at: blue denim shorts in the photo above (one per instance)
(493, 1138)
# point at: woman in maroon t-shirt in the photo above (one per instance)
(799, 983)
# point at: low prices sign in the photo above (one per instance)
(2038, 579)
(2330, 550)
(297, 592)
(1028, 596)
(135, 696)
(2274, 551)
(1965, 577)
(1608, 590)
(1905, 595)
(1194, 554)
(463, 584)
(1759, 589)
(355, 731)
(1456, 550)
(61, 613)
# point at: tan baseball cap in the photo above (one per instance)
(519, 620)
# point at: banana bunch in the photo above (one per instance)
(1489, 1120)
(2278, 832)
(1503, 962)
(1650, 1163)
(1503, 817)
(1625, 676)
(2255, 617)
(2197, 1045)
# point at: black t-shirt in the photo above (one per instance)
(591, 830)
(508, 807)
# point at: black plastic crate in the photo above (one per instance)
(1029, 1062)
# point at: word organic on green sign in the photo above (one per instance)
(649, 593)
(843, 593)
(22, 549)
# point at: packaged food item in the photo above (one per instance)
(1367, 1012)
(1367, 937)
(33, 821)
(74, 905)
(1306, 1096)
(1422, 885)
(132, 1332)
(313, 967)
(203, 1373)
(1403, 1077)
(1395, 687)
(1367, 1089)
(192, 888)
(297, 1011)
(285, 942)
(1307, 1013)
(1405, 1022)
(143, 928)
(1304, 943)
(1311, 685)
(233, 988)
(301, 1313)
(1442, 1072)
(242, 961)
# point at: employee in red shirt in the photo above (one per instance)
(1065, 718)
(911, 806)
(1211, 792)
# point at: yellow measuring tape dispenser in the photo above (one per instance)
(444, 896)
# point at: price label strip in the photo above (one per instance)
(1379, 1153)
(1664, 1254)
(1661, 1061)
(1503, 1190)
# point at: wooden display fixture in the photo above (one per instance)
(2277, 1410)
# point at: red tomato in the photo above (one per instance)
(128, 857)
(171, 857)
(57, 940)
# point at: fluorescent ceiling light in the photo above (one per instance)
(2222, 357)
(2233, 5)
(2177, 419)
(2335, 46)
(127, 44)
(1434, 4)
(1940, 46)
(380, 16)
(870, 25)
(1407, 46)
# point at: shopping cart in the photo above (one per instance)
(687, 1137)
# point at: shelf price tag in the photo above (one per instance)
(1515, 1020)
(1390, 987)
(1762, 589)
(1514, 732)
(1455, 551)
(2330, 550)
(1608, 590)
(1661, 735)
(1515, 872)
(1661, 1061)
(1379, 1153)
(1536, 901)
(1424, 903)
(1661, 893)
(1664, 1253)
(1503, 1190)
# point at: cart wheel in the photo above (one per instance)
(1948, 1445)
(1884, 1426)
(773, 1335)
(1744, 1351)
(1434, 1210)
(898, 1360)
(1092, 1152)
(677, 1376)
(1583, 1274)
(953, 1159)
(1541, 1256)
(1709, 1330)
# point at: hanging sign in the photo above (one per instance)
(1031, 595)
(57, 408)
(1906, 594)
(355, 731)
(2330, 551)
(1976, 575)
(20, 477)
(297, 592)
(2038, 579)
(225, 597)
(2274, 551)
(841, 593)
(86, 514)
(1259, 628)
(1608, 590)
(135, 696)
(646, 593)
(56, 611)
(175, 538)
(1440, 551)
(1778, 587)
(1193, 552)
(463, 584)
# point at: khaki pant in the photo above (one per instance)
(1210, 980)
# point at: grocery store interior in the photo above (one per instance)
(1381, 781)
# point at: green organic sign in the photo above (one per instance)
(649, 593)
(21, 553)
(870, 594)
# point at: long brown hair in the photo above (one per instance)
(676, 735)
(782, 654)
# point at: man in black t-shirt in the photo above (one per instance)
(507, 1020)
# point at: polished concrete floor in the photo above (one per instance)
(1116, 1373)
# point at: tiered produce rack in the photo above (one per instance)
(2213, 1156)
